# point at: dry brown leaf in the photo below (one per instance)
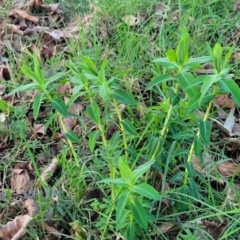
(15, 229)
(20, 181)
(163, 228)
(86, 20)
(23, 14)
(212, 172)
(49, 170)
(228, 168)
(162, 9)
(131, 20)
(236, 57)
(12, 28)
(64, 88)
(237, 5)
(24, 165)
(214, 229)
(30, 205)
(52, 230)
(224, 101)
(71, 122)
(39, 130)
(2, 88)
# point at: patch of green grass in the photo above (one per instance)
(123, 126)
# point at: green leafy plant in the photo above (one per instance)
(199, 91)
(132, 199)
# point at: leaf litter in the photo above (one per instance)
(24, 25)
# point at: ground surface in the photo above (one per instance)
(79, 107)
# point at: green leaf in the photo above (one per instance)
(190, 169)
(205, 131)
(94, 112)
(30, 86)
(146, 190)
(123, 222)
(125, 171)
(183, 135)
(158, 80)
(228, 56)
(185, 38)
(208, 82)
(174, 97)
(230, 86)
(74, 96)
(4, 106)
(123, 97)
(196, 81)
(39, 77)
(121, 205)
(72, 136)
(206, 99)
(92, 140)
(91, 66)
(185, 79)
(103, 91)
(217, 55)
(27, 71)
(165, 62)
(131, 231)
(54, 78)
(171, 55)
(60, 106)
(129, 127)
(37, 104)
(180, 52)
(139, 171)
(139, 213)
(195, 62)
(73, 68)
(197, 145)
(117, 181)
(193, 103)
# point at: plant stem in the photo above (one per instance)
(76, 158)
(190, 154)
(122, 128)
(165, 126)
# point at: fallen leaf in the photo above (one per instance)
(23, 14)
(20, 181)
(49, 170)
(24, 165)
(71, 122)
(162, 9)
(163, 228)
(52, 230)
(228, 168)
(214, 229)
(131, 20)
(39, 130)
(237, 5)
(236, 57)
(15, 229)
(224, 101)
(229, 123)
(64, 88)
(31, 206)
